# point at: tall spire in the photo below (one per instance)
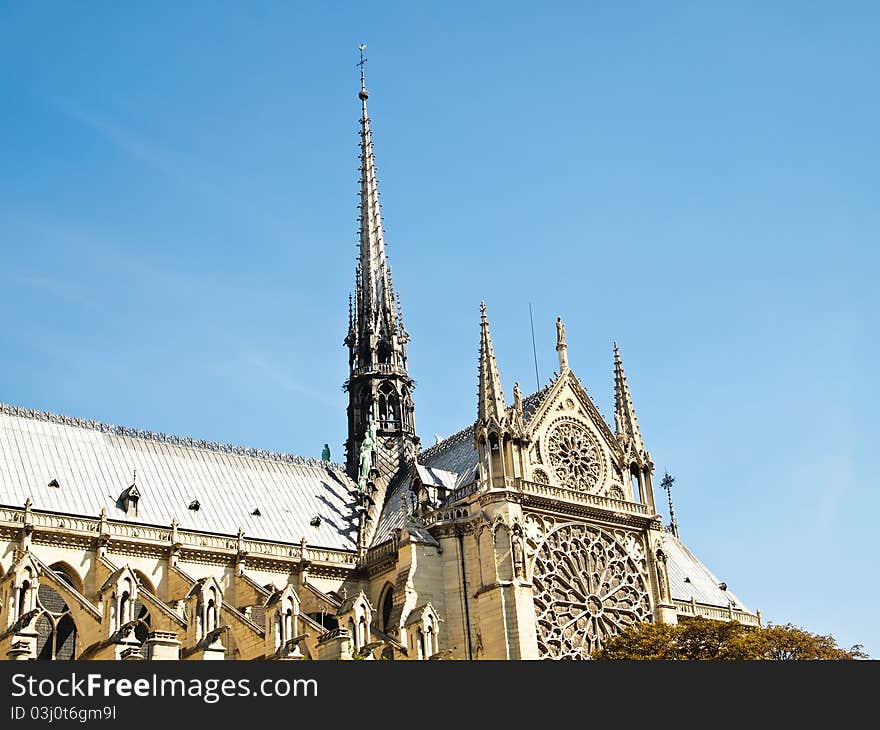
(625, 421)
(491, 396)
(379, 387)
(375, 296)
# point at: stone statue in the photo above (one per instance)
(517, 549)
(366, 456)
(517, 398)
(560, 331)
(325, 454)
(662, 580)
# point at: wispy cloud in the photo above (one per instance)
(149, 154)
(282, 378)
(55, 287)
(183, 172)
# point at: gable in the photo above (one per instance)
(572, 445)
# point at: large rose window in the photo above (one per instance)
(587, 588)
(574, 456)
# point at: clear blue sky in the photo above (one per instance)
(699, 182)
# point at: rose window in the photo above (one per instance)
(587, 588)
(574, 456)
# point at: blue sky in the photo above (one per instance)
(697, 181)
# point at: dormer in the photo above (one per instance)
(431, 486)
(129, 499)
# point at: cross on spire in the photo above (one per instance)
(361, 48)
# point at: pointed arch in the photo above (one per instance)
(56, 629)
(145, 582)
(386, 604)
(67, 573)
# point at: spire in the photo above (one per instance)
(379, 387)
(625, 421)
(667, 485)
(491, 395)
(375, 299)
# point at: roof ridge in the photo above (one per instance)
(448, 441)
(185, 441)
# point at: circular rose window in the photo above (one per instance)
(574, 456)
(587, 588)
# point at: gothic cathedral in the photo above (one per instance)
(530, 534)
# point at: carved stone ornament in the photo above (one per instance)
(574, 456)
(587, 588)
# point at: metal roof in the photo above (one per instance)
(455, 454)
(93, 464)
(437, 477)
(689, 578)
(391, 518)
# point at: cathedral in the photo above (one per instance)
(532, 533)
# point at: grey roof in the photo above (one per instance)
(455, 454)
(391, 518)
(688, 578)
(437, 477)
(94, 462)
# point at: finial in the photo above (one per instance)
(363, 94)
(483, 317)
(667, 485)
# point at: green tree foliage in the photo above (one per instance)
(700, 638)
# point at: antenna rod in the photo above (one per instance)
(534, 349)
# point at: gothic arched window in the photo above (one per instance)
(142, 616)
(384, 352)
(386, 603)
(56, 630)
(22, 597)
(388, 405)
(636, 483)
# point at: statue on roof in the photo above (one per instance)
(560, 331)
(325, 454)
(366, 456)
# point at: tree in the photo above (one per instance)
(700, 638)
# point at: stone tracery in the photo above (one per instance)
(587, 588)
(574, 456)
